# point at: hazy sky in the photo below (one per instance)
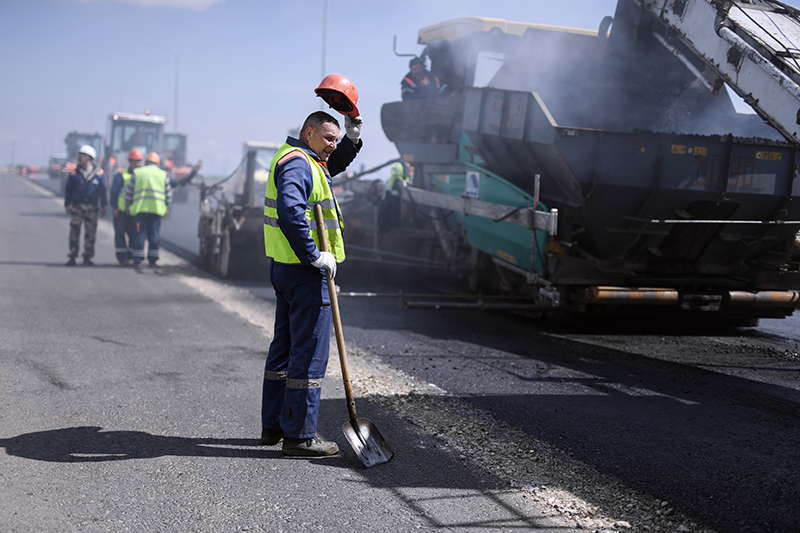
(247, 68)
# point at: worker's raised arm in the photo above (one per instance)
(344, 154)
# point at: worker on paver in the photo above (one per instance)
(123, 231)
(389, 208)
(147, 200)
(299, 178)
(85, 189)
(420, 83)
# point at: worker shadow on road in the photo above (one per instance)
(92, 444)
(464, 496)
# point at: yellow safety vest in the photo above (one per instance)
(397, 173)
(126, 179)
(275, 243)
(150, 191)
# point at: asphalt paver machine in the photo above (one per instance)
(651, 193)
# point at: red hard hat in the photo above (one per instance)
(340, 93)
(135, 155)
(152, 157)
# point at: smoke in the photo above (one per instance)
(628, 81)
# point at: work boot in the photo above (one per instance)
(313, 447)
(88, 262)
(271, 436)
(71, 262)
(137, 266)
(153, 264)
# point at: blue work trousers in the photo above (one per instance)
(298, 354)
(123, 237)
(146, 227)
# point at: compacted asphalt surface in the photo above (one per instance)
(131, 402)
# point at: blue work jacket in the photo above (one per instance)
(80, 191)
(294, 182)
(116, 189)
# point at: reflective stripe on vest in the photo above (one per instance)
(150, 191)
(275, 243)
(126, 179)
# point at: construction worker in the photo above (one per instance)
(85, 188)
(147, 200)
(399, 176)
(420, 83)
(123, 232)
(299, 177)
(389, 208)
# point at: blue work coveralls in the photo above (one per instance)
(145, 218)
(122, 222)
(298, 354)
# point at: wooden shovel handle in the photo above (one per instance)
(337, 319)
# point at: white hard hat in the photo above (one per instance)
(88, 150)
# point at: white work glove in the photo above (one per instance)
(353, 127)
(326, 261)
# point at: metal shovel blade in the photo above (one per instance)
(367, 442)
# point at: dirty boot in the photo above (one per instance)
(313, 447)
(271, 436)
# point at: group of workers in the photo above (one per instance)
(140, 198)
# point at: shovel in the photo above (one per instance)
(362, 434)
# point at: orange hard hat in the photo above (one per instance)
(152, 157)
(135, 155)
(340, 93)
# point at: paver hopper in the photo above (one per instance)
(666, 197)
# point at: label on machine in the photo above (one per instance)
(473, 186)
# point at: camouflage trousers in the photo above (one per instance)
(85, 214)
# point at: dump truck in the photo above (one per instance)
(175, 149)
(176, 163)
(145, 132)
(643, 190)
(127, 131)
(56, 165)
(73, 141)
